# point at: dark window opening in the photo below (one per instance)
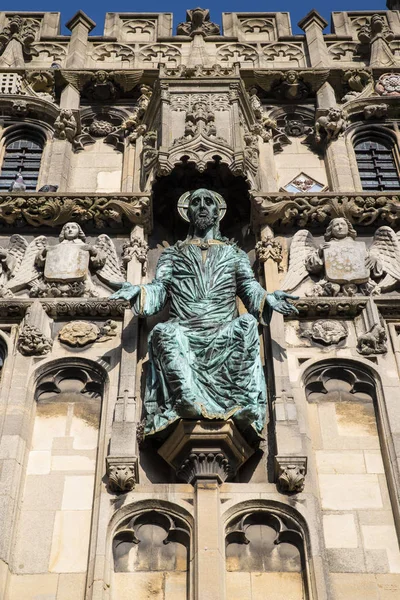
(22, 156)
(376, 166)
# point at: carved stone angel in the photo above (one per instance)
(291, 85)
(64, 270)
(10, 260)
(345, 266)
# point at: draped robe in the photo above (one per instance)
(204, 362)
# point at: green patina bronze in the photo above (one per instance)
(205, 360)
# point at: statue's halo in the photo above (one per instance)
(183, 205)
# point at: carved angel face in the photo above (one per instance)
(71, 231)
(291, 76)
(340, 228)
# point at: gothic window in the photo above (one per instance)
(376, 163)
(22, 154)
(151, 552)
(265, 550)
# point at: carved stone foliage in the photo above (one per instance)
(167, 535)
(82, 333)
(122, 474)
(301, 211)
(356, 81)
(269, 249)
(371, 332)
(93, 211)
(205, 450)
(342, 265)
(136, 248)
(326, 332)
(388, 84)
(330, 126)
(66, 307)
(34, 337)
(23, 31)
(103, 86)
(65, 270)
(65, 126)
(291, 473)
(189, 72)
(198, 23)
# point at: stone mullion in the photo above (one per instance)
(287, 434)
(122, 467)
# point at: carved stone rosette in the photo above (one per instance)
(122, 473)
(291, 473)
(205, 450)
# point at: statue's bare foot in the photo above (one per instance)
(246, 416)
(186, 408)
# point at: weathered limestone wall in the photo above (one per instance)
(128, 122)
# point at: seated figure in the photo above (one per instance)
(205, 360)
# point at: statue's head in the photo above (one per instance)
(339, 229)
(71, 231)
(203, 209)
(291, 77)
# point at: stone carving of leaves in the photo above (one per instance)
(237, 53)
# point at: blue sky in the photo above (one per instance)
(96, 9)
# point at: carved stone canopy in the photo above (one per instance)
(205, 450)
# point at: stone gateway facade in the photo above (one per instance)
(102, 137)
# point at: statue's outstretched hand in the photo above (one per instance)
(126, 292)
(278, 301)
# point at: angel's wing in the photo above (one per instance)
(300, 247)
(386, 249)
(110, 272)
(315, 79)
(27, 272)
(16, 249)
(266, 77)
(127, 80)
(77, 78)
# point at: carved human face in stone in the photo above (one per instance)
(291, 77)
(71, 231)
(203, 209)
(340, 228)
(334, 114)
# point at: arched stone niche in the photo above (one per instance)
(265, 557)
(151, 557)
(350, 442)
(55, 523)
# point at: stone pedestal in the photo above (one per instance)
(205, 450)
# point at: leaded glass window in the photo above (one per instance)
(22, 155)
(376, 165)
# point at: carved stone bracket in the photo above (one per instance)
(291, 472)
(205, 450)
(136, 248)
(269, 248)
(316, 210)
(122, 473)
(95, 211)
(34, 336)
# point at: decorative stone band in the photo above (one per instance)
(122, 473)
(94, 211)
(315, 210)
(205, 450)
(291, 473)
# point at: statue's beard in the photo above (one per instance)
(203, 223)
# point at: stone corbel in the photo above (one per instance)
(122, 473)
(35, 335)
(291, 473)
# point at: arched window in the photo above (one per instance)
(22, 154)
(376, 163)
